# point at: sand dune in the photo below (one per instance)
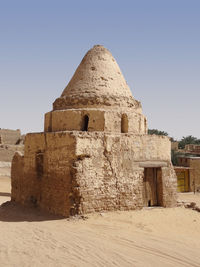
(150, 237)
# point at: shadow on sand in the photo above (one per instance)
(14, 212)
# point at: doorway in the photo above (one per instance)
(152, 187)
(182, 180)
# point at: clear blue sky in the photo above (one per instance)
(156, 44)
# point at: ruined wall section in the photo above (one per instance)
(9, 137)
(7, 151)
(46, 179)
(24, 174)
(11, 141)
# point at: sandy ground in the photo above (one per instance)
(150, 237)
(5, 168)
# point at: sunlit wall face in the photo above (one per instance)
(156, 44)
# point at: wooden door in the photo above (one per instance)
(182, 181)
(152, 187)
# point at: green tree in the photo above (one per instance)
(157, 132)
(174, 156)
(186, 140)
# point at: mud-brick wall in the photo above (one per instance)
(56, 186)
(146, 147)
(9, 137)
(73, 120)
(106, 179)
(135, 121)
(7, 151)
(149, 149)
(46, 182)
(194, 164)
(81, 172)
(108, 175)
(99, 120)
(17, 178)
(169, 183)
(26, 187)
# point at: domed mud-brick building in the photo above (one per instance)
(95, 153)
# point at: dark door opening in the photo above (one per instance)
(85, 123)
(152, 187)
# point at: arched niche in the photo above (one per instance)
(124, 123)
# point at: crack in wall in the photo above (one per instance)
(105, 153)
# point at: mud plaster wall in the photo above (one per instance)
(194, 172)
(169, 186)
(8, 147)
(86, 172)
(104, 182)
(136, 122)
(72, 120)
(194, 164)
(7, 151)
(52, 189)
(9, 136)
(109, 176)
(99, 120)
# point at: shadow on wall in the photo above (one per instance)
(3, 194)
(14, 212)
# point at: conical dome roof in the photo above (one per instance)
(98, 81)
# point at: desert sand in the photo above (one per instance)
(148, 237)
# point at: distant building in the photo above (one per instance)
(10, 142)
(174, 146)
(188, 168)
(9, 137)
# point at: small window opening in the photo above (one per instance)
(39, 164)
(124, 123)
(85, 123)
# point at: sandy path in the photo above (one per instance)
(5, 168)
(190, 197)
(5, 189)
(151, 237)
